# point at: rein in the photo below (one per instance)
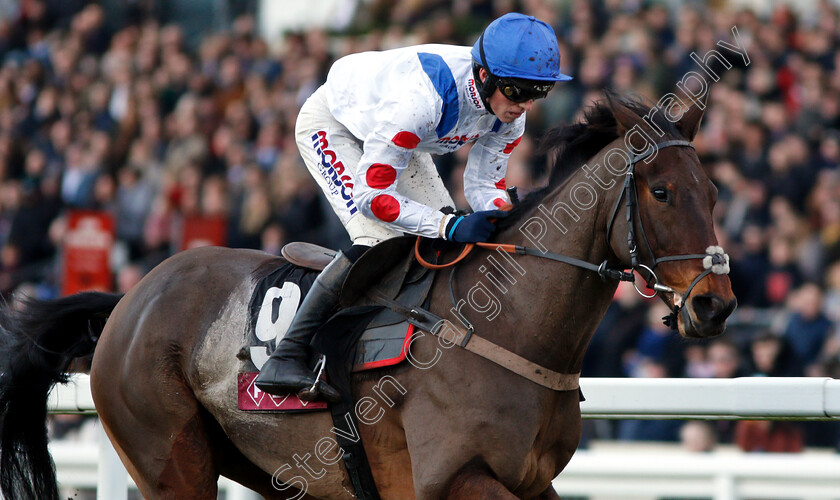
(715, 260)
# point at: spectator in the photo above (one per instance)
(698, 436)
(808, 327)
(657, 348)
(617, 334)
(769, 436)
(724, 359)
(772, 356)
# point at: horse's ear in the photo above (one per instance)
(625, 118)
(689, 124)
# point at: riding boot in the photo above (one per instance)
(286, 371)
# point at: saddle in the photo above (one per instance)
(367, 272)
(363, 333)
(405, 281)
(307, 255)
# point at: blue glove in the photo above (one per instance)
(473, 227)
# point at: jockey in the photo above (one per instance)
(366, 136)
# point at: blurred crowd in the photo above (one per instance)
(133, 120)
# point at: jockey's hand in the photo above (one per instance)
(474, 227)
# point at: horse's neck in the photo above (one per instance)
(551, 312)
(573, 226)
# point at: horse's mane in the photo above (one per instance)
(572, 145)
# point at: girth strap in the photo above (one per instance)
(452, 333)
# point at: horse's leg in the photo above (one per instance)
(170, 458)
(475, 482)
(500, 420)
(146, 404)
(234, 465)
(549, 494)
(230, 462)
(171, 445)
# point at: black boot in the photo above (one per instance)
(285, 371)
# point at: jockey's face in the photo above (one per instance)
(506, 110)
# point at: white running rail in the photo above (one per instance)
(595, 474)
(703, 398)
(633, 471)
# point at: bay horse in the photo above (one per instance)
(164, 372)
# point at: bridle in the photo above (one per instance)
(715, 260)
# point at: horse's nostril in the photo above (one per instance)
(709, 307)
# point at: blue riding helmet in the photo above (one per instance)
(519, 46)
(521, 55)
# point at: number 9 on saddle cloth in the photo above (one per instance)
(361, 336)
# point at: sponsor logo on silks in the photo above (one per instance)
(333, 171)
(472, 93)
(456, 141)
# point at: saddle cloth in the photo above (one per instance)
(280, 289)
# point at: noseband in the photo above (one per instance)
(715, 260)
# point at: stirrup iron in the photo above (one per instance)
(312, 393)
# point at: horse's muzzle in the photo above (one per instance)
(705, 316)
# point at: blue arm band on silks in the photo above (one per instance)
(454, 225)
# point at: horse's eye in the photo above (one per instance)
(661, 194)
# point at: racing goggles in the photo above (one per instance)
(519, 90)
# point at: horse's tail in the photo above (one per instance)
(38, 341)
